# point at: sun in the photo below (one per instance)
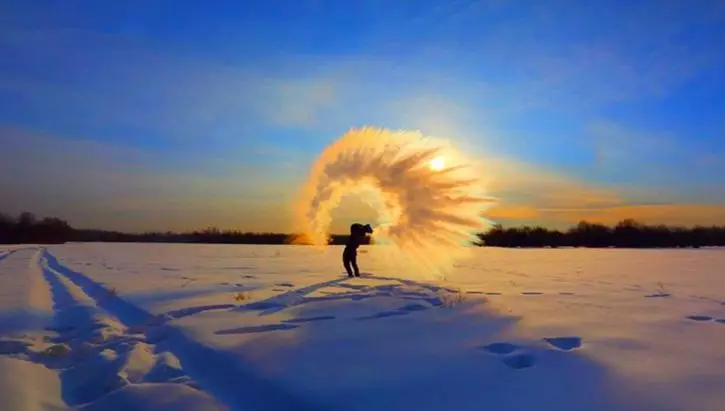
(437, 164)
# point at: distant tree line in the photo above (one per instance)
(26, 228)
(626, 234)
(209, 235)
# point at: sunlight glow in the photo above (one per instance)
(437, 164)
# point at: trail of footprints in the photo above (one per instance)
(527, 293)
(512, 355)
(705, 318)
(517, 357)
(421, 297)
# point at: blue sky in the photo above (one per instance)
(140, 115)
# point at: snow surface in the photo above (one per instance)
(222, 327)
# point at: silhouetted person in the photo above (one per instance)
(349, 255)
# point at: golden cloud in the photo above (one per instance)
(513, 212)
(669, 214)
(528, 194)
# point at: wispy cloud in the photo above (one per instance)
(107, 185)
(199, 132)
(558, 56)
(657, 158)
(517, 181)
(119, 82)
(533, 195)
(670, 214)
(299, 103)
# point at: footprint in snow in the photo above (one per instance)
(413, 307)
(257, 329)
(262, 306)
(700, 318)
(310, 319)
(520, 361)
(384, 314)
(658, 295)
(13, 347)
(512, 360)
(404, 310)
(61, 329)
(155, 335)
(565, 343)
(501, 348)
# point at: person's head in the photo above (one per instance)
(360, 230)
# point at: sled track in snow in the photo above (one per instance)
(218, 373)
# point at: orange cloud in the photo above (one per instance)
(520, 183)
(531, 195)
(513, 212)
(669, 214)
(103, 185)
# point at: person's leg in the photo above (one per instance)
(346, 263)
(353, 262)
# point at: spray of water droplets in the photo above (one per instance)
(429, 198)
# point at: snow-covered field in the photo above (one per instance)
(205, 327)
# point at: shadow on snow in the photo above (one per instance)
(219, 373)
(395, 353)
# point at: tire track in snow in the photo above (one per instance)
(25, 297)
(88, 372)
(99, 361)
(7, 254)
(26, 313)
(39, 294)
(219, 373)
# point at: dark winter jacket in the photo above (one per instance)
(357, 235)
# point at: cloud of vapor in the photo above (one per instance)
(429, 198)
